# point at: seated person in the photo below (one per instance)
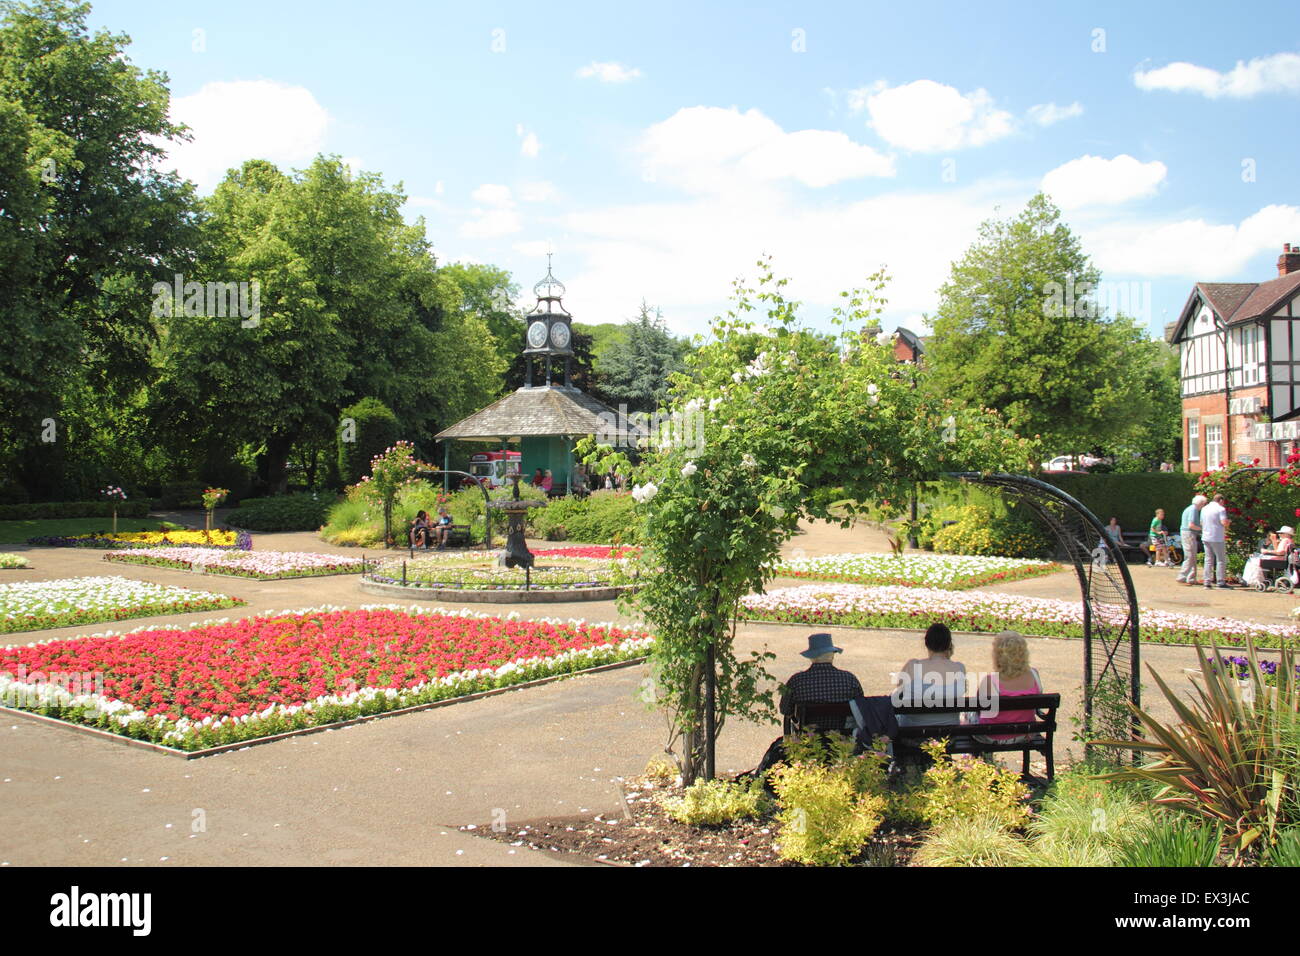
(442, 529)
(822, 682)
(1012, 677)
(1280, 544)
(936, 675)
(547, 482)
(419, 534)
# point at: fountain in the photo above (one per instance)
(516, 554)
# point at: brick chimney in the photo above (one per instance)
(1289, 261)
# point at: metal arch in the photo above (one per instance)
(1110, 608)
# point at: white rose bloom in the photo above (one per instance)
(749, 461)
(885, 338)
(714, 403)
(738, 377)
(872, 388)
(689, 469)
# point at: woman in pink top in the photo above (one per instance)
(1012, 677)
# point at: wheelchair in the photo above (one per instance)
(1279, 574)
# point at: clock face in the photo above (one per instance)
(560, 335)
(537, 335)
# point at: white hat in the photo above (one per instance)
(1286, 529)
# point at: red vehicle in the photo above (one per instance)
(494, 468)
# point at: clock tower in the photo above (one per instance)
(549, 332)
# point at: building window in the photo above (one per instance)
(1213, 445)
(1193, 439)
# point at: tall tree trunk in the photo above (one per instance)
(272, 464)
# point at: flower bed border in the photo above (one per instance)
(361, 569)
(513, 595)
(319, 728)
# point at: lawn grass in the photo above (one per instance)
(17, 532)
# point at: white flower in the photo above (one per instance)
(689, 469)
(873, 388)
(643, 493)
(714, 403)
(737, 377)
(885, 338)
(749, 461)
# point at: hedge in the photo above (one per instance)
(73, 509)
(295, 512)
(1132, 498)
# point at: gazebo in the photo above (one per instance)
(545, 419)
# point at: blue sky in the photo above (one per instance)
(658, 150)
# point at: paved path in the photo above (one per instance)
(392, 791)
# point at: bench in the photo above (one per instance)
(961, 737)
(820, 718)
(457, 537)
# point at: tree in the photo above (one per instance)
(770, 429)
(351, 305)
(1018, 329)
(636, 369)
(368, 428)
(1154, 439)
(89, 223)
(489, 292)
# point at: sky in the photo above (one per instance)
(659, 150)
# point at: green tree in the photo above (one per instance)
(89, 224)
(368, 428)
(636, 369)
(1018, 329)
(351, 305)
(489, 292)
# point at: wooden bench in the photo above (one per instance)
(457, 537)
(1039, 732)
(820, 718)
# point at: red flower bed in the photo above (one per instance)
(602, 551)
(231, 671)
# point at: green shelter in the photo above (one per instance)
(545, 418)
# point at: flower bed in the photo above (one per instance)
(1239, 667)
(951, 571)
(262, 565)
(602, 552)
(230, 540)
(229, 681)
(854, 605)
(479, 571)
(36, 605)
(13, 561)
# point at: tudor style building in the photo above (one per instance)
(1240, 349)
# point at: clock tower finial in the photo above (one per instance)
(549, 332)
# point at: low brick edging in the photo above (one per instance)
(501, 596)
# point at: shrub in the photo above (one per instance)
(182, 494)
(1082, 819)
(1132, 498)
(978, 841)
(296, 512)
(1286, 851)
(131, 508)
(980, 531)
(1227, 759)
(1170, 840)
(713, 802)
(603, 517)
(830, 804)
(373, 429)
(953, 790)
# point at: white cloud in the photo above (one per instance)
(534, 248)
(530, 145)
(682, 255)
(928, 117)
(537, 191)
(705, 148)
(246, 119)
(1046, 114)
(608, 72)
(1279, 73)
(1093, 180)
(1192, 249)
(495, 216)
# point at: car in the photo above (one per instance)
(1062, 463)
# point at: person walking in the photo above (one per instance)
(1190, 529)
(1214, 537)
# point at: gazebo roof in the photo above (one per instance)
(541, 411)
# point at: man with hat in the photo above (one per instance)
(822, 682)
